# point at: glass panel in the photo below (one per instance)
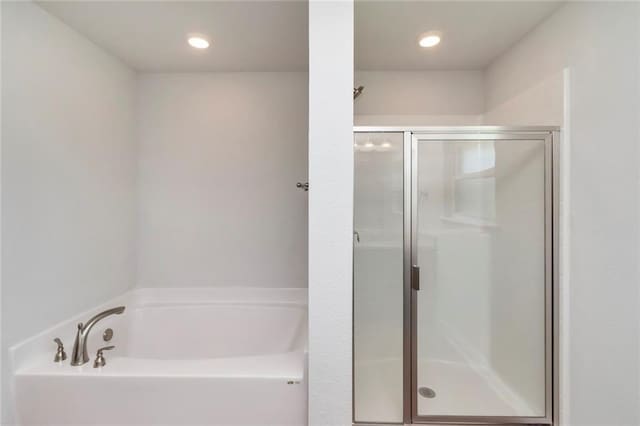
(378, 277)
(481, 304)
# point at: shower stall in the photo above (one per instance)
(454, 283)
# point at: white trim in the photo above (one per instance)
(564, 256)
(2, 413)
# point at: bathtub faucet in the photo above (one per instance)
(80, 355)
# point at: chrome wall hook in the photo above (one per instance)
(357, 91)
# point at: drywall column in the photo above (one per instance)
(330, 211)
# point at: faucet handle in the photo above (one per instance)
(100, 361)
(60, 353)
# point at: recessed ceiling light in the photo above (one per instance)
(198, 42)
(429, 39)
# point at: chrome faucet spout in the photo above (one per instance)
(80, 354)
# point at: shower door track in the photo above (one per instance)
(551, 137)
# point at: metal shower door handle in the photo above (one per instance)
(415, 277)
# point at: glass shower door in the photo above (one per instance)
(481, 235)
(378, 278)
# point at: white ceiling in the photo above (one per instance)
(273, 35)
(151, 35)
(473, 32)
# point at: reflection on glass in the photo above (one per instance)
(480, 237)
(473, 182)
(378, 276)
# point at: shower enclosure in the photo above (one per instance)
(454, 270)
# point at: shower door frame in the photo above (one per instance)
(412, 135)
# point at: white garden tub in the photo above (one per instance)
(183, 356)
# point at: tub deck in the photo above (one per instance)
(244, 363)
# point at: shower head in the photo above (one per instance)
(357, 91)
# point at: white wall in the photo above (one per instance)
(219, 157)
(330, 211)
(539, 105)
(412, 98)
(68, 175)
(599, 43)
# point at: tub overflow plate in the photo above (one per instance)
(107, 335)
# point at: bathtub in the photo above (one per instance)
(183, 356)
